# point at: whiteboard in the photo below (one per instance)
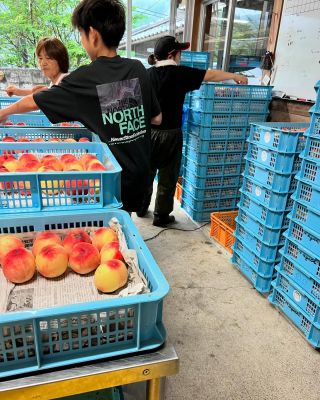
(297, 58)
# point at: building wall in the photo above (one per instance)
(21, 77)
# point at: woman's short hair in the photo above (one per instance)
(55, 49)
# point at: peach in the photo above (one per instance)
(23, 139)
(43, 239)
(72, 166)
(26, 158)
(86, 158)
(54, 139)
(47, 157)
(84, 258)
(54, 164)
(52, 261)
(103, 236)
(66, 158)
(73, 237)
(40, 139)
(69, 140)
(19, 265)
(110, 251)
(47, 168)
(6, 157)
(31, 166)
(84, 139)
(110, 276)
(8, 139)
(11, 165)
(8, 243)
(96, 165)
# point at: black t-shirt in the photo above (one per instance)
(112, 97)
(171, 83)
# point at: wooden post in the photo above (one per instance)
(275, 24)
(195, 25)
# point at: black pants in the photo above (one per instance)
(166, 153)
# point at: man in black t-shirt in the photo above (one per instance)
(112, 96)
(171, 83)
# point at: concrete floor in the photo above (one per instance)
(231, 342)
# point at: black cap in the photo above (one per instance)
(168, 44)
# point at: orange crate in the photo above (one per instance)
(178, 191)
(223, 225)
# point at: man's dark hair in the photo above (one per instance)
(106, 16)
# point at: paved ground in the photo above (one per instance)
(231, 342)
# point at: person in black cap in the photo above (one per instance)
(171, 83)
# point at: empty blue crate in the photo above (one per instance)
(213, 170)
(299, 318)
(315, 124)
(226, 91)
(216, 133)
(47, 133)
(205, 204)
(284, 163)
(279, 136)
(308, 238)
(308, 193)
(260, 283)
(310, 171)
(309, 304)
(90, 330)
(263, 266)
(274, 181)
(199, 216)
(217, 146)
(207, 158)
(212, 182)
(312, 149)
(271, 199)
(262, 249)
(305, 214)
(268, 234)
(196, 59)
(212, 193)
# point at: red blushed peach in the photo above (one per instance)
(72, 166)
(85, 159)
(65, 158)
(110, 251)
(54, 139)
(26, 158)
(44, 239)
(69, 140)
(52, 261)
(6, 157)
(19, 265)
(54, 164)
(103, 236)
(23, 139)
(84, 139)
(8, 139)
(31, 166)
(73, 237)
(96, 165)
(84, 258)
(40, 139)
(110, 276)
(11, 165)
(8, 243)
(46, 158)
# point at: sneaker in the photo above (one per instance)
(163, 220)
(143, 212)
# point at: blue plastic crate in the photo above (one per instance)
(315, 124)
(199, 216)
(263, 214)
(32, 119)
(232, 105)
(262, 249)
(267, 234)
(217, 146)
(60, 190)
(310, 194)
(222, 119)
(309, 304)
(260, 283)
(271, 199)
(196, 59)
(305, 214)
(285, 163)
(213, 170)
(48, 133)
(116, 327)
(310, 171)
(303, 236)
(269, 179)
(216, 133)
(214, 158)
(279, 136)
(263, 267)
(312, 149)
(212, 182)
(218, 90)
(300, 319)
(212, 193)
(294, 270)
(7, 101)
(317, 103)
(205, 204)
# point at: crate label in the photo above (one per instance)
(264, 155)
(258, 191)
(297, 296)
(267, 137)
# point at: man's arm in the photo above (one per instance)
(157, 119)
(22, 106)
(218, 75)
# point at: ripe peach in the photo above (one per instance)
(47, 157)
(54, 164)
(72, 166)
(84, 139)
(8, 243)
(46, 168)
(11, 165)
(52, 261)
(110, 251)
(73, 237)
(6, 157)
(69, 140)
(110, 276)
(40, 139)
(96, 165)
(84, 258)
(85, 159)
(26, 158)
(8, 139)
(55, 139)
(66, 158)
(103, 236)
(23, 139)
(19, 265)
(31, 166)
(43, 239)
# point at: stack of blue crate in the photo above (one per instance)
(218, 125)
(271, 162)
(296, 289)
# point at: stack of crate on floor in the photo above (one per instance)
(218, 125)
(296, 290)
(271, 163)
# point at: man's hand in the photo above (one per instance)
(11, 90)
(240, 79)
